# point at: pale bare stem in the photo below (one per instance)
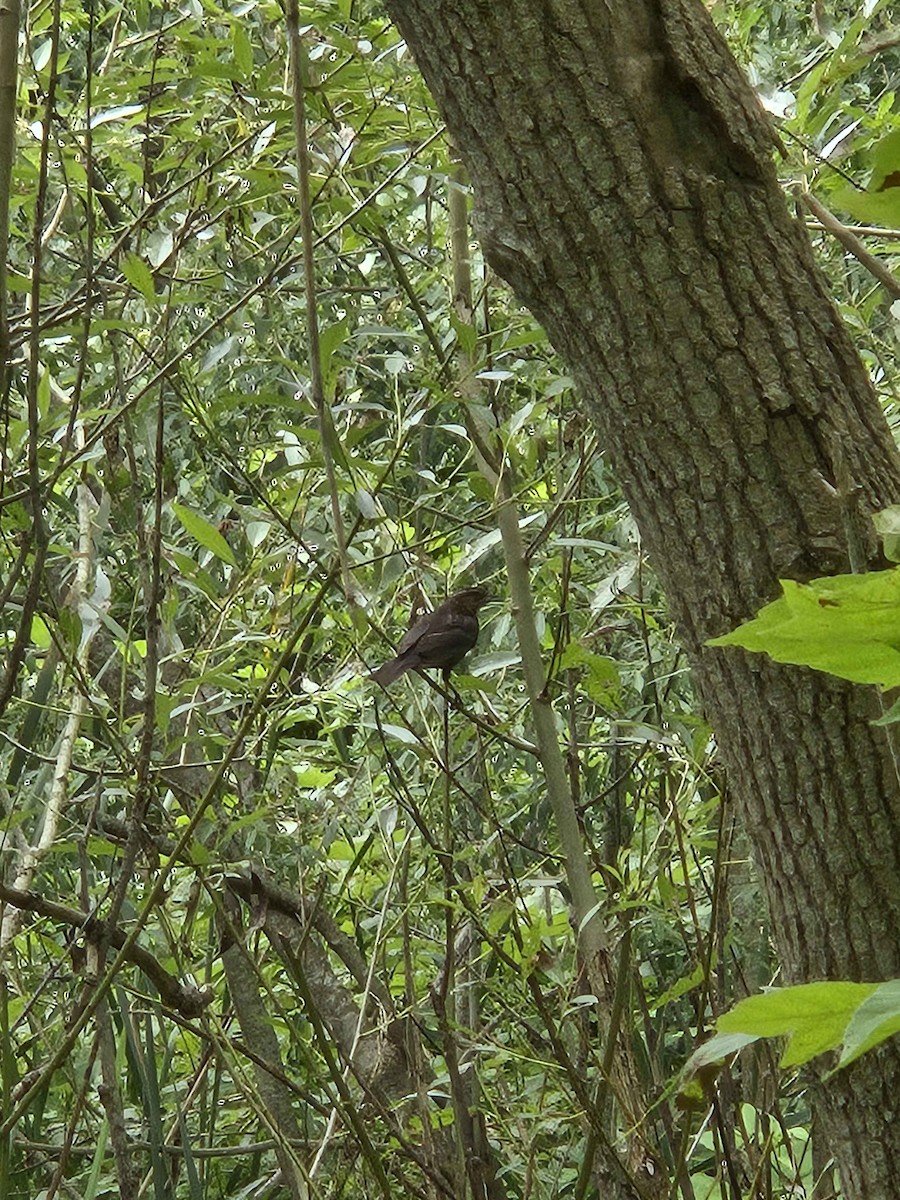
(53, 224)
(853, 245)
(462, 999)
(591, 934)
(89, 597)
(606, 979)
(9, 36)
(327, 434)
(113, 43)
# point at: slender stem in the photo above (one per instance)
(327, 435)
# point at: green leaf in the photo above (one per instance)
(313, 777)
(242, 49)
(191, 570)
(602, 683)
(700, 1070)
(401, 734)
(139, 276)
(330, 338)
(204, 533)
(876, 1019)
(40, 633)
(466, 334)
(879, 204)
(93, 1179)
(870, 208)
(886, 163)
(848, 625)
(891, 716)
(716, 1049)
(44, 392)
(887, 526)
(684, 985)
(190, 1166)
(214, 355)
(812, 1016)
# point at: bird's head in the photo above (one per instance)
(470, 599)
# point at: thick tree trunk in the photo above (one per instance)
(625, 188)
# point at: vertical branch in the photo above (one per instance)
(110, 1094)
(149, 560)
(149, 563)
(606, 979)
(86, 606)
(592, 937)
(8, 1079)
(275, 1107)
(83, 357)
(89, 604)
(9, 41)
(37, 260)
(479, 1157)
(327, 435)
(77, 1105)
(37, 532)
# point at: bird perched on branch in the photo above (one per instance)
(439, 639)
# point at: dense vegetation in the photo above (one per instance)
(227, 479)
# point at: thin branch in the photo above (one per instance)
(187, 1000)
(90, 606)
(853, 245)
(327, 435)
(9, 40)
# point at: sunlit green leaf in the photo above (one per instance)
(848, 625)
(812, 1016)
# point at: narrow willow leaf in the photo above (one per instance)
(204, 533)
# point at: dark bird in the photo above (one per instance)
(440, 638)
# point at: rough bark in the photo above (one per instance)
(625, 187)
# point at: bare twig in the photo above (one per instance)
(853, 245)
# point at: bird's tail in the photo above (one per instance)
(389, 671)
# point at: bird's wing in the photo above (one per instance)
(414, 632)
(454, 636)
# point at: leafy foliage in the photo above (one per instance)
(219, 847)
